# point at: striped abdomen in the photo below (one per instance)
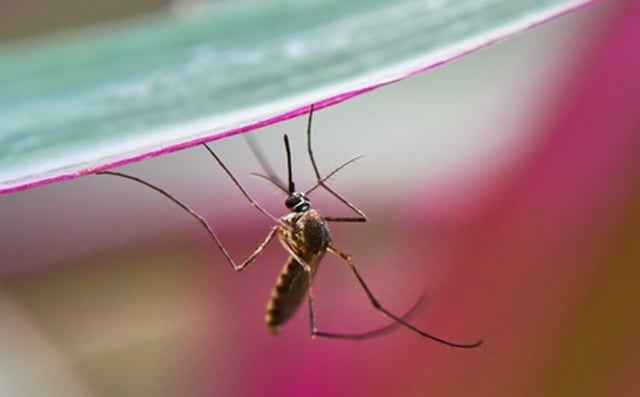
(289, 292)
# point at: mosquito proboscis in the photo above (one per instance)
(304, 233)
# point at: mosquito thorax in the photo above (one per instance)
(297, 202)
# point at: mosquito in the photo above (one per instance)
(305, 235)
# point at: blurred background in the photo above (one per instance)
(506, 185)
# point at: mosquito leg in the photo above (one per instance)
(309, 273)
(375, 332)
(344, 201)
(244, 192)
(320, 180)
(332, 173)
(357, 336)
(345, 219)
(312, 312)
(309, 148)
(387, 313)
(258, 250)
(200, 219)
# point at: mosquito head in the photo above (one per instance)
(298, 202)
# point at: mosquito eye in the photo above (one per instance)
(292, 201)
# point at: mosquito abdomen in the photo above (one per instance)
(288, 293)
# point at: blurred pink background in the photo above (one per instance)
(507, 185)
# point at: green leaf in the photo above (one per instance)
(95, 99)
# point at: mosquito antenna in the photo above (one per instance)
(289, 172)
(270, 174)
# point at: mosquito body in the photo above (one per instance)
(307, 241)
(304, 233)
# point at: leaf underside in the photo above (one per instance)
(95, 99)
